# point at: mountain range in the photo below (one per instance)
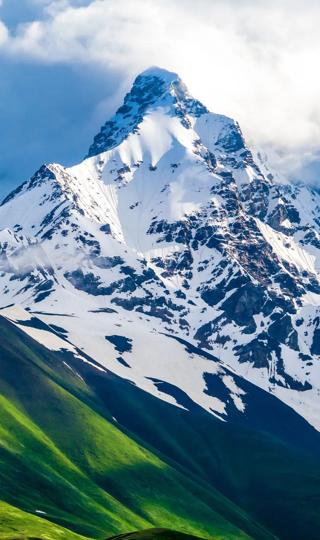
(160, 314)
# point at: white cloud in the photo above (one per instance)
(3, 32)
(256, 61)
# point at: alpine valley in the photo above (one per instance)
(160, 336)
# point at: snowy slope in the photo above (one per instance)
(170, 227)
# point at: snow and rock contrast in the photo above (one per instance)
(170, 257)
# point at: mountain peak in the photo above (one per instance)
(152, 88)
(161, 73)
(166, 76)
(173, 232)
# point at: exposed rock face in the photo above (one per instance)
(170, 227)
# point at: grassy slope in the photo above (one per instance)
(278, 485)
(18, 525)
(178, 483)
(59, 455)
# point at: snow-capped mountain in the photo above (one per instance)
(172, 257)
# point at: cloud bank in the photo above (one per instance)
(255, 61)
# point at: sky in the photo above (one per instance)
(65, 66)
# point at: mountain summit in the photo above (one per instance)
(152, 89)
(169, 257)
(159, 90)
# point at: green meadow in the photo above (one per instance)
(69, 470)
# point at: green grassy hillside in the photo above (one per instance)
(18, 525)
(276, 483)
(61, 456)
(101, 458)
